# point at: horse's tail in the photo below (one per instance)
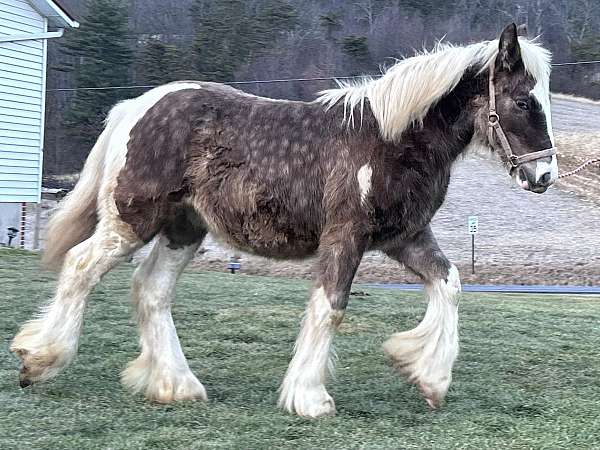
(76, 217)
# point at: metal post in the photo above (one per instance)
(36, 229)
(23, 224)
(473, 254)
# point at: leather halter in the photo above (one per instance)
(494, 127)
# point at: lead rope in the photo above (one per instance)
(580, 168)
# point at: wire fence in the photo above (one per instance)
(281, 80)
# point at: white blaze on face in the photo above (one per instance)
(541, 91)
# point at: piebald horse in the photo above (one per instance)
(363, 167)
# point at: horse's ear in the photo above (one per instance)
(522, 30)
(509, 52)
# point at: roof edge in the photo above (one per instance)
(55, 13)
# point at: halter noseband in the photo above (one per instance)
(494, 127)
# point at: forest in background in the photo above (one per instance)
(151, 42)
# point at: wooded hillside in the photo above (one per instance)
(151, 42)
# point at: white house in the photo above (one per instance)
(25, 27)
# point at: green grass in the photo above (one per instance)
(528, 375)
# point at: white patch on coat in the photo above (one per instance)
(129, 112)
(543, 167)
(161, 370)
(364, 181)
(303, 389)
(426, 354)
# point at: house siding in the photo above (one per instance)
(22, 89)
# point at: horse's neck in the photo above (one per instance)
(449, 126)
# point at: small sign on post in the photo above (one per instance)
(473, 223)
(234, 264)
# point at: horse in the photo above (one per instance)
(364, 166)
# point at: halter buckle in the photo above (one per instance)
(514, 161)
(493, 118)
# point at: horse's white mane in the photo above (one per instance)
(406, 91)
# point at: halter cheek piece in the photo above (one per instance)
(495, 128)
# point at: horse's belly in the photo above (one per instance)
(264, 235)
(259, 222)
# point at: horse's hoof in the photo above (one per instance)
(324, 409)
(176, 389)
(311, 403)
(432, 403)
(434, 399)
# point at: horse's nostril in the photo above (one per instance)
(545, 179)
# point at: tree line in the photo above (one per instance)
(153, 42)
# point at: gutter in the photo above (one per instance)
(33, 36)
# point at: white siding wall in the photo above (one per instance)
(22, 88)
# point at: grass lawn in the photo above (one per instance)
(528, 375)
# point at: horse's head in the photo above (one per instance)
(518, 120)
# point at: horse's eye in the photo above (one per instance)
(523, 104)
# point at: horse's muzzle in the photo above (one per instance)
(528, 178)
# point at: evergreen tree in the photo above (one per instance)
(159, 63)
(331, 22)
(356, 49)
(229, 32)
(272, 19)
(217, 46)
(101, 58)
(587, 48)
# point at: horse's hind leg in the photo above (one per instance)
(49, 343)
(161, 370)
(426, 354)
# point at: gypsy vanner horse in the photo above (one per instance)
(363, 167)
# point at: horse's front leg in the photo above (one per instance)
(425, 354)
(303, 389)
